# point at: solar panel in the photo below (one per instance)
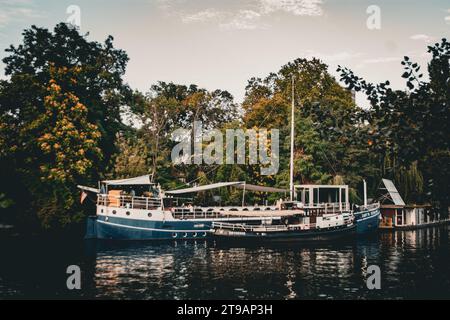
(393, 192)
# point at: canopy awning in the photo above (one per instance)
(203, 188)
(321, 186)
(89, 189)
(142, 180)
(237, 184)
(253, 187)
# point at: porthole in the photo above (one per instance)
(174, 235)
(195, 234)
(128, 213)
(149, 215)
(204, 234)
(185, 235)
(114, 212)
(101, 210)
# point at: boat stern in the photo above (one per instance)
(91, 228)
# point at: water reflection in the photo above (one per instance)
(414, 264)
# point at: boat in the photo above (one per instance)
(397, 215)
(295, 228)
(138, 209)
(335, 198)
(122, 214)
(367, 218)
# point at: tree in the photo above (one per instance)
(409, 129)
(89, 77)
(66, 149)
(98, 85)
(328, 129)
(168, 106)
(131, 158)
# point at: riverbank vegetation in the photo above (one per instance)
(65, 110)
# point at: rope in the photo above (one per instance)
(216, 167)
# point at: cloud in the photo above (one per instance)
(251, 14)
(374, 61)
(422, 37)
(381, 60)
(240, 20)
(296, 7)
(332, 57)
(243, 20)
(14, 11)
(447, 18)
(202, 16)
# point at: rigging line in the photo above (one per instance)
(198, 178)
(267, 116)
(216, 167)
(329, 162)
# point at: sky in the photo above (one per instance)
(222, 44)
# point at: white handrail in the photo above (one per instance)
(129, 202)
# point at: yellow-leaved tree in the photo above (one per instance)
(69, 146)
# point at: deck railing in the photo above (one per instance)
(328, 207)
(260, 228)
(216, 212)
(128, 202)
(371, 206)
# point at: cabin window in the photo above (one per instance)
(128, 213)
(114, 212)
(174, 235)
(195, 234)
(185, 235)
(149, 215)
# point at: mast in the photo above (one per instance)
(291, 165)
(365, 193)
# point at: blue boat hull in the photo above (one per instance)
(116, 228)
(291, 236)
(367, 221)
(113, 228)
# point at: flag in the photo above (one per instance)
(83, 196)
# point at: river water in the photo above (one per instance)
(413, 264)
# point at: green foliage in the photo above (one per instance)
(59, 113)
(64, 97)
(131, 158)
(410, 129)
(328, 139)
(168, 106)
